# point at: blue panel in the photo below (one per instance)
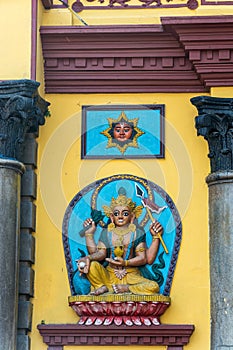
(148, 144)
(100, 194)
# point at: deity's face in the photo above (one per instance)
(121, 216)
(122, 131)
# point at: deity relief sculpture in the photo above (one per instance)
(123, 246)
(121, 257)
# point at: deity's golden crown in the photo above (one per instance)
(122, 200)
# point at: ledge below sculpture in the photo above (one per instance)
(172, 336)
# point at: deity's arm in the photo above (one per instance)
(89, 235)
(140, 256)
(152, 251)
(100, 253)
(90, 244)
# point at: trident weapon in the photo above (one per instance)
(151, 207)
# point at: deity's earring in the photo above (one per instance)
(132, 227)
(111, 226)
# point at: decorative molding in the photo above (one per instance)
(217, 2)
(215, 123)
(79, 5)
(208, 41)
(172, 336)
(22, 110)
(184, 54)
(115, 59)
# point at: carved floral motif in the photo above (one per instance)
(79, 6)
(127, 313)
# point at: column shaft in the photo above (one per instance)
(221, 258)
(10, 176)
(22, 110)
(215, 123)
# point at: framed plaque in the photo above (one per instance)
(122, 131)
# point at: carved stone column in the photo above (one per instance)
(215, 123)
(22, 110)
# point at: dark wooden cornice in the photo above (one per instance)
(183, 54)
(209, 44)
(172, 336)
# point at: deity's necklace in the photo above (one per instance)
(121, 231)
(118, 251)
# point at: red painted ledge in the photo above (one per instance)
(197, 20)
(183, 54)
(94, 29)
(56, 336)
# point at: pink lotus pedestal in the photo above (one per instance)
(118, 309)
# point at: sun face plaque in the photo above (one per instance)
(129, 131)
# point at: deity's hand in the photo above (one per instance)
(83, 265)
(118, 261)
(156, 228)
(90, 225)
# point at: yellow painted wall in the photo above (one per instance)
(39, 60)
(61, 173)
(182, 173)
(15, 39)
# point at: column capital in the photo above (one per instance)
(215, 123)
(22, 110)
